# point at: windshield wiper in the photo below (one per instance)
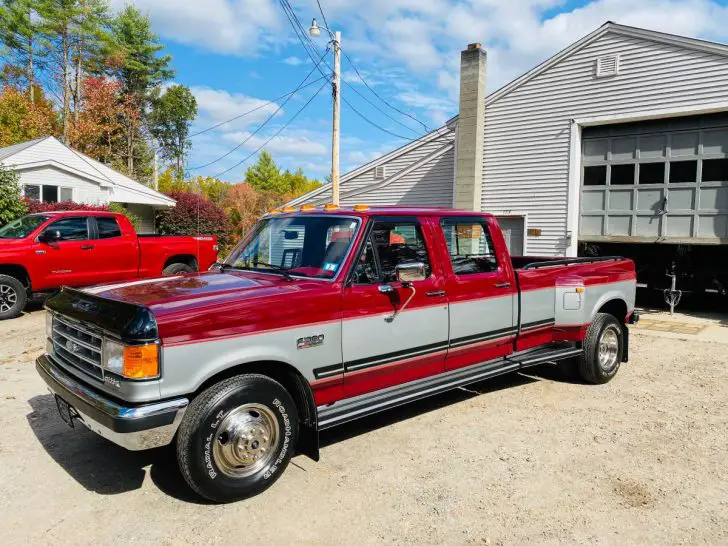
(275, 269)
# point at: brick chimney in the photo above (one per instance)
(471, 129)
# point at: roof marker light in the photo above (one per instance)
(274, 211)
(331, 206)
(361, 208)
(289, 209)
(305, 208)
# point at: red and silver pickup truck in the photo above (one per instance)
(42, 252)
(322, 316)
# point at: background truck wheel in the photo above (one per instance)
(237, 437)
(13, 297)
(174, 269)
(603, 350)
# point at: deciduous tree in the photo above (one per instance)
(169, 123)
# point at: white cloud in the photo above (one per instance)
(293, 61)
(223, 26)
(217, 105)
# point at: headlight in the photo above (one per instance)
(131, 361)
(49, 324)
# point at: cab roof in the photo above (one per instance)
(364, 211)
(75, 213)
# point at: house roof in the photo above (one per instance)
(50, 152)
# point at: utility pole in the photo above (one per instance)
(315, 31)
(155, 172)
(337, 108)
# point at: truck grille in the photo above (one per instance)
(77, 347)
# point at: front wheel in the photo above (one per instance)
(13, 297)
(603, 350)
(237, 438)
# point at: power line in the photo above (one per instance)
(387, 103)
(278, 132)
(322, 13)
(246, 139)
(356, 70)
(309, 46)
(256, 108)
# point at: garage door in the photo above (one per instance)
(663, 181)
(512, 227)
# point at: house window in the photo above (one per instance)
(47, 193)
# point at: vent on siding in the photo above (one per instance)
(380, 173)
(607, 66)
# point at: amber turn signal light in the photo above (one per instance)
(141, 361)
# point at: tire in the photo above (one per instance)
(175, 269)
(252, 406)
(13, 297)
(603, 350)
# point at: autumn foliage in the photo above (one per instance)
(194, 215)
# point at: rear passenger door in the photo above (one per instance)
(380, 352)
(480, 291)
(115, 254)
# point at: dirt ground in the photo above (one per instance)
(520, 459)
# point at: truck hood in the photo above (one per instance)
(171, 292)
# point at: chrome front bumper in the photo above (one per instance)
(133, 427)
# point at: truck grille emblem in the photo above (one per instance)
(72, 347)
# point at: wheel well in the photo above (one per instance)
(182, 259)
(286, 375)
(616, 308)
(17, 271)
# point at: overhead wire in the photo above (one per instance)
(261, 106)
(278, 132)
(310, 46)
(260, 127)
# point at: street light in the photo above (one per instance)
(315, 32)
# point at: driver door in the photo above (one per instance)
(380, 352)
(68, 261)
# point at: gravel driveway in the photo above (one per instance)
(520, 459)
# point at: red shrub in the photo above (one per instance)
(38, 206)
(194, 215)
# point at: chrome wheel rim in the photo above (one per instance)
(246, 441)
(609, 349)
(8, 298)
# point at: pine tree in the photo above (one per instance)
(265, 175)
(19, 32)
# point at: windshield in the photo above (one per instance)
(22, 227)
(306, 246)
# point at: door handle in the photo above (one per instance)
(435, 294)
(503, 285)
(87, 247)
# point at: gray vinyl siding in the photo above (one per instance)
(527, 131)
(428, 185)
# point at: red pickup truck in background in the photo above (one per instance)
(42, 252)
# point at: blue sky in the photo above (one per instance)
(237, 54)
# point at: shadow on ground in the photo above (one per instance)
(107, 469)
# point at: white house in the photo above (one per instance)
(622, 137)
(51, 171)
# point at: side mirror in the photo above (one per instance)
(50, 236)
(411, 272)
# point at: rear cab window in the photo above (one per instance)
(470, 245)
(108, 227)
